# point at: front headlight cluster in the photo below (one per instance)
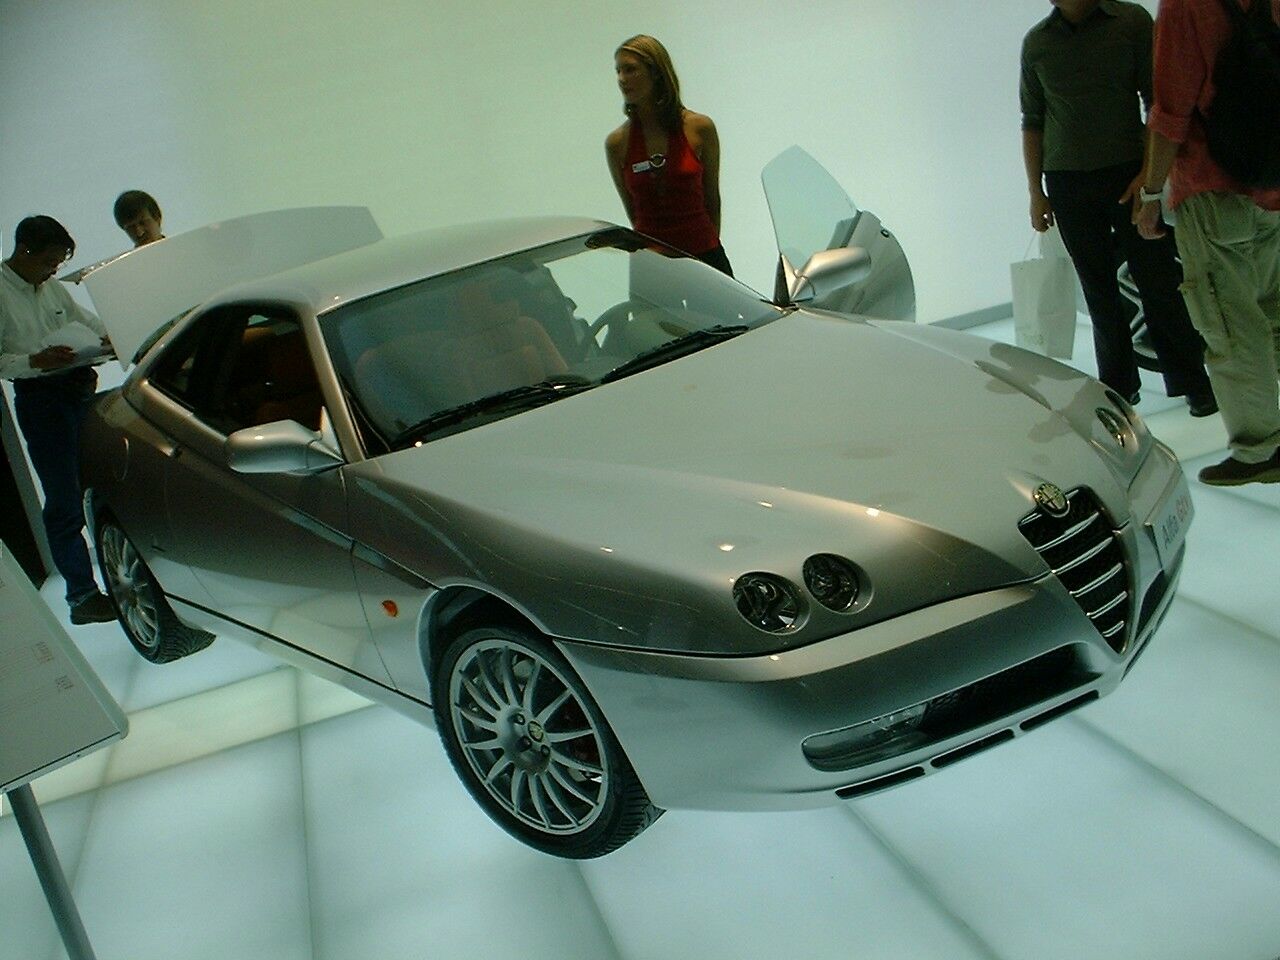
(776, 605)
(1131, 416)
(1126, 429)
(832, 580)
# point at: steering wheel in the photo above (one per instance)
(615, 316)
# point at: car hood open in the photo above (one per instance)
(813, 434)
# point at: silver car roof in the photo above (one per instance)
(326, 284)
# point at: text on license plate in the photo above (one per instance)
(1169, 525)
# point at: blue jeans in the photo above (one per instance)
(49, 411)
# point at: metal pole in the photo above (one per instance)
(45, 859)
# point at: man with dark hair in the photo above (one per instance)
(1228, 234)
(138, 215)
(1085, 68)
(51, 396)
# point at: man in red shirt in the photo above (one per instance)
(1228, 236)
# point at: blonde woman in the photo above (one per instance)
(665, 159)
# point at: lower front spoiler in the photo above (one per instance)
(759, 733)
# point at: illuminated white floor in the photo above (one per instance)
(256, 813)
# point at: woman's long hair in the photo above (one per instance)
(666, 85)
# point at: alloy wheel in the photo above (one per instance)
(130, 585)
(528, 737)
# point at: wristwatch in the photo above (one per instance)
(1146, 197)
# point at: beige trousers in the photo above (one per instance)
(1230, 249)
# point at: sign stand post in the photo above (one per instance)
(45, 859)
(53, 709)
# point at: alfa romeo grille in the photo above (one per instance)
(1085, 555)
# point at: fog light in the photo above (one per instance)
(871, 741)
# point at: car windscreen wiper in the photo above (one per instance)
(689, 343)
(508, 401)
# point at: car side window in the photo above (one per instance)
(240, 369)
(267, 375)
(184, 371)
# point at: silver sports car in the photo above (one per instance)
(631, 537)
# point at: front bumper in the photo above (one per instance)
(775, 731)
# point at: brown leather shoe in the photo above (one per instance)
(1232, 472)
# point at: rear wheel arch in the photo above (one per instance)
(146, 617)
(94, 507)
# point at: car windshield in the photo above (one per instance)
(452, 352)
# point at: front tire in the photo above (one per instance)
(532, 747)
(145, 615)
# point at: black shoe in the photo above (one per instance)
(1202, 404)
(1134, 397)
(95, 608)
(1232, 472)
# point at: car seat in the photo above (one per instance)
(494, 346)
(290, 388)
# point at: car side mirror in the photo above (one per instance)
(827, 271)
(284, 446)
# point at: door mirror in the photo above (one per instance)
(284, 446)
(814, 219)
(810, 210)
(827, 271)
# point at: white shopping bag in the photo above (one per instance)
(1044, 300)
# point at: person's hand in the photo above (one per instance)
(1131, 191)
(1041, 213)
(1146, 217)
(52, 358)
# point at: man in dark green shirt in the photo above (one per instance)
(1084, 68)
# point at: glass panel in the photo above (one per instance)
(810, 210)
(570, 314)
(172, 372)
(260, 371)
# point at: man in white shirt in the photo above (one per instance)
(51, 396)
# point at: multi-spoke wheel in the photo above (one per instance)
(149, 622)
(1144, 352)
(532, 746)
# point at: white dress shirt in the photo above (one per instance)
(28, 314)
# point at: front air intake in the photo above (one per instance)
(1085, 555)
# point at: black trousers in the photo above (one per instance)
(1093, 222)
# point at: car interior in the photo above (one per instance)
(273, 377)
(455, 345)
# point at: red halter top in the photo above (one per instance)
(667, 201)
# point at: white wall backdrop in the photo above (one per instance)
(444, 111)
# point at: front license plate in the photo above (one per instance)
(1170, 521)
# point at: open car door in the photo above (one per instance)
(831, 254)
